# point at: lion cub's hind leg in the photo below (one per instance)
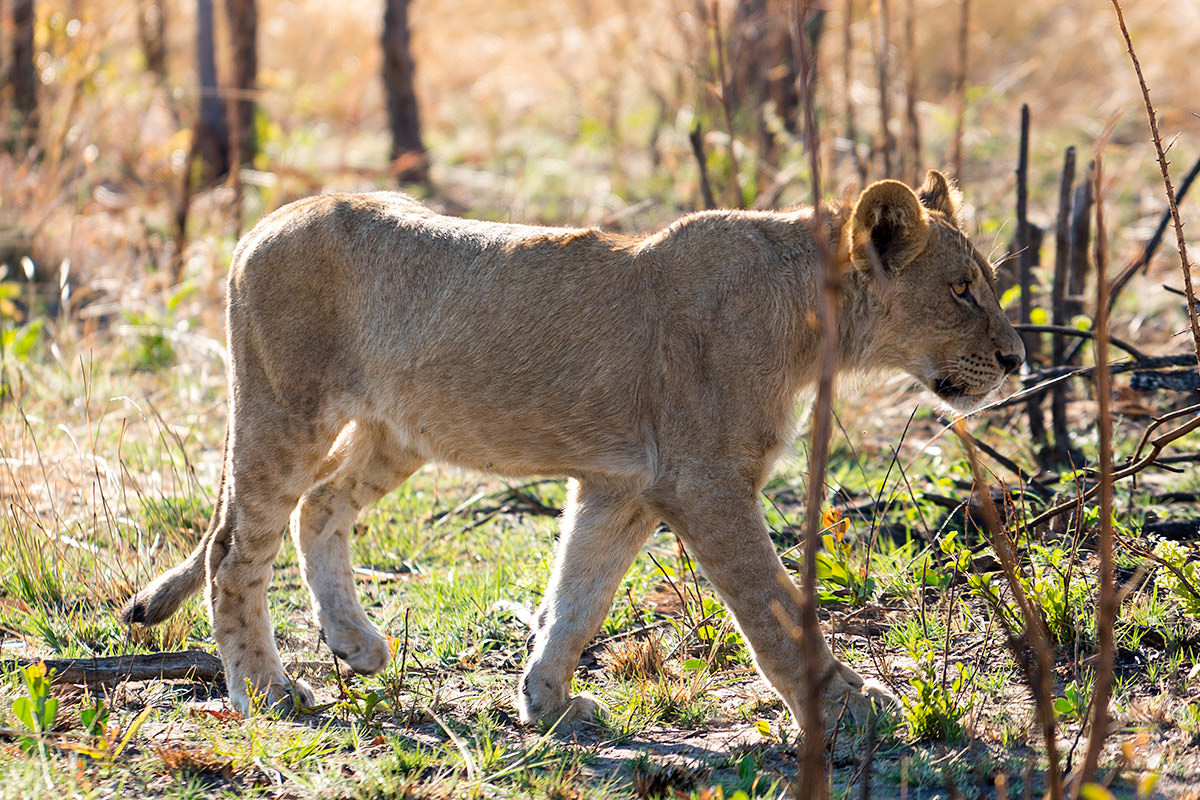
(602, 530)
(365, 464)
(271, 463)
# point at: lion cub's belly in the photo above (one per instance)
(516, 440)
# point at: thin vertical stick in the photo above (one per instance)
(847, 81)
(726, 103)
(1025, 258)
(696, 137)
(1184, 263)
(1058, 302)
(183, 205)
(1081, 233)
(960, 91)
(234, 181)
(1038, 670)
(887, 143)
(913, 160)
(812, 782)
(1106, 612)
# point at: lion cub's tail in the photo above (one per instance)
(168, 591)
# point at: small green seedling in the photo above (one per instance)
(93, 717)
(35, 710)
(937, 711)
(1073, 705)
(1182, 578)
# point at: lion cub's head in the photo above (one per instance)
(942, 322)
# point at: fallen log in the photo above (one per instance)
(195, 665)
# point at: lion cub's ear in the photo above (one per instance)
(889, 217)
(938, 194)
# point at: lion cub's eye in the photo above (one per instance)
(961, 289)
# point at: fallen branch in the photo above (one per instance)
(1043, 379)
(1132, 468)
(1066, 330)
(194, 665)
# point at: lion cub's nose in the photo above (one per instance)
(1009, 362)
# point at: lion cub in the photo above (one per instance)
(368, 335)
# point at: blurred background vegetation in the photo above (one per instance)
(567, 112)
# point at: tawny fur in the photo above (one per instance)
(368, 335)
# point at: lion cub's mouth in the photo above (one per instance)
(962, 398)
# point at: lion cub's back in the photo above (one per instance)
(451, 327)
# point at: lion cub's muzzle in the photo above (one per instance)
(967, 384)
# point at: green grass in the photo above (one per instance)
(451, 574)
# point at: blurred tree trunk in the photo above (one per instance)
(22, 76)
(152, 26)
(243, 33)
(764, 67)
(212, 132)
(409, 161)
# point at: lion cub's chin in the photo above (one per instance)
(963, 402)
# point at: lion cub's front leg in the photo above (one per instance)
(729, 538)
(602, 530)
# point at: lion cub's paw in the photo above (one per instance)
(283, 696)
(366, 652)
(566, 716)
(581, 712)
(861, 698)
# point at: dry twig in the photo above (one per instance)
(812, 783)
(1058, 302)
(726, 101)
(887, 143)
(1038, 670)
(960, 90)
(1107, 609)
(1185, 264)
(697, 140)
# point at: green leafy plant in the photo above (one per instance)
(156, 333)
(937, 711)
(1189, 720)
(36, 709)
(364, 706)
(1058, 588)
(1062, 592)
(722, 644)
(841, 580)
(93, 716)
(752, 782)
(1073, 704)
(1182, 579)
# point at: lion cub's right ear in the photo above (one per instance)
(889, 219)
